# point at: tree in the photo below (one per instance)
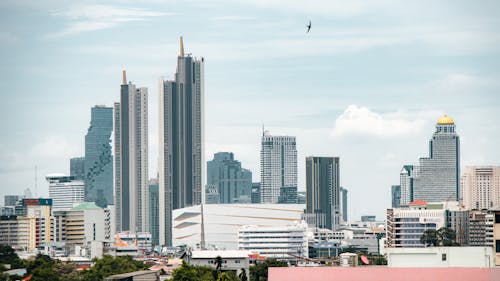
(444, 236)
(429, 238)
(185, 273)
(259, 271)
(243, 275)
(218, 264)
(108, 265)
(9, 256)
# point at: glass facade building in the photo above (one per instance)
(154, 212)
(77, 168)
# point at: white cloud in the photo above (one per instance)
(97, 17)
(231, 18)
(361, 121)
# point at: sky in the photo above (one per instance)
(367, 84)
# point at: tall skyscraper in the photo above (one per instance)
(436, 178)
(323, 191)
(395, 196)
(181, 137)
(131, 158)
(278, 167)
(154, 211)
(406, 177)
(98, 159)
(480, 187)
(77, 168)
(233, 183)
(343, 204)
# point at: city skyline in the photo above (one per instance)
(367, 84)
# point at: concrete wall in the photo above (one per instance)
(440, 257)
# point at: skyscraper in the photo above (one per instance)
(256, 192)
(233, 183)
(181, 137)
(77, 168)
(278, 167)
(343, 204)
(406, 177)
(436, 178)
(98, 159)
(395, 196)
(131, 158)
(65, 191)
(323, 191)
(154, 211)
(480, 187)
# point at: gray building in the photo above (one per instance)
(77, 168)
(278, 167)
(323, 191)
(343, 204)
(406, 184)
(231, 181)
(98, 160)
(395, 196)
(154, 212)
(256, 192)
(437, 177)
(181, 135)
(131, 158)
(11, 200)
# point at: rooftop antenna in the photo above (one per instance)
(202, 242)
(124, 77)
(181, 48)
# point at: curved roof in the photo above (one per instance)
(445, 120)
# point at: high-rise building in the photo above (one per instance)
(395, 195)
(278, 166)
(18, 232)
(98, 159)
(323, 191)
(256, 192)
(480, 187)
(343, 204)
(11, 200)
(233, 183)
(436, 178)
(181, 140)
(131, 158)
(65, 191)
(154, 211)
(40, 209)
(77, 168)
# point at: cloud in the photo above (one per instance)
(361, 121)
(97, 17)
(231, 18)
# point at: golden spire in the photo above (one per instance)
(124, 77)
(181, 50)
(445, 120)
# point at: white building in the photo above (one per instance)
(141, 240)
(440, 257)
(480, 187)
(232, 260)
(64, 191)
(222, 222)
(280, 242)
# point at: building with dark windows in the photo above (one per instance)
(255, 192)
(77, 168)
(181, 158)
(154, 211)
(395, 196)
(98, 160)
(343, 204)
(288, 194)
(131, 158)
(232, 183)
(323, 192)
(278, 167)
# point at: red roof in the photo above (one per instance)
(419, 202)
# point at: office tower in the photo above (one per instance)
(323, 191)
(301, 197)
(154, 211)
(278, 166)
(77, 168)
(395, 196)
(212, 195)
(65, 191)
(232, 182)
(181, 159)
(436, 178)
(480, 187)
(288, 194)
(343, 204)
(131, 158)
(368, 218)
(11, 200)
(98, 159)
(255, 192)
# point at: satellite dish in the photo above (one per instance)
(365, 260)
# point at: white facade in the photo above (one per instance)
(278, 166)
(64, 191)
(223, 221)
(142, 240)
(480, 187)
(280, 242)
(440, 257)
(233, 260)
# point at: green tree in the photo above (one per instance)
(227, 276)
(108, 265)
(447, 236)
(9, 256)
(430, 238)
(218, 264)
(243, 275)
(259, 271)
(185, 272)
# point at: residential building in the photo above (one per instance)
(480, 187)
(323, 192)
(65, 191)
(77, 168)
(495, 211)
(395, 196)
(181, 140)
(437, 177)
(216, 226)
(278, 166)
(131, 158)
(40, 209)
(255, 192)
(232, 182)
(98, 159)
(280, 242)
(481, 228)
(233, 260)
(154, 212)
(19, 232)
(343, 204)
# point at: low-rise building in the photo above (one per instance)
(440, 257)
(144, 275)
(18, 232)
(232, 260)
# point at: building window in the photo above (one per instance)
(497, 246)
(443, 257)
(497, 218)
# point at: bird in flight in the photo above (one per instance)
(308, 27)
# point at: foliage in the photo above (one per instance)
(9, 256)
(227, 276)
(259, 271)
(444, 236)
(108, 265)
(243, 275)
(429, 238)
(43, 268)
(190, 272)
(218, 264)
